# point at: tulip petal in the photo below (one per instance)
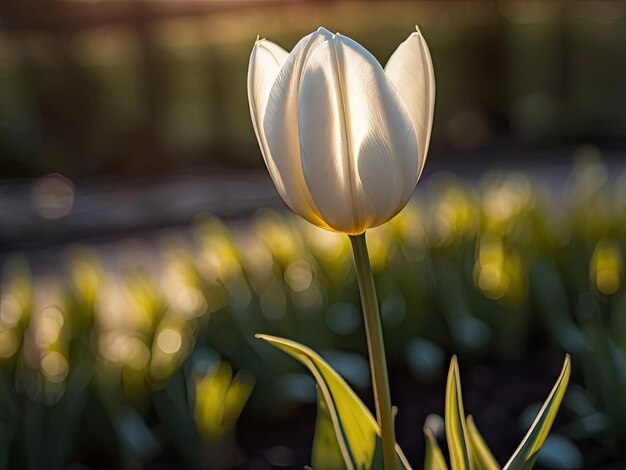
(410, 69)
(266, 61)
(280, 125)
(358, 147)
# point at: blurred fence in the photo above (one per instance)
(127, 87)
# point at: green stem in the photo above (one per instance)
(376, 348)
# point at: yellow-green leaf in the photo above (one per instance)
(434, 457)
(526, 454)
(357, 432)
(326, 449)
(481, 455)
(456, 429)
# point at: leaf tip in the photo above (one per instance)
(454, 365)
(264, 337)
(567, 367)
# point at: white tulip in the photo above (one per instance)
(344, 140)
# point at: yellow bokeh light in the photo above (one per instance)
(190, 302)
(49, 327)
(120, 348)
(110, 346)
(10, 311)
(54, 367)
(169, 341)
(299, 276)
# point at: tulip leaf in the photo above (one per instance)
(456, 428)
(326, 449)
(481, 455)
(434, 459)
(526, 454)
(356, 431)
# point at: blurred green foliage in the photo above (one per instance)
(127, 347)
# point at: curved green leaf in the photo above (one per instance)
(356, 430)
(526, 454)
(434, 459)
(456, 429)
(482, 456)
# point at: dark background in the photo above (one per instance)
(141, 88)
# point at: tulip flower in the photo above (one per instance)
(344, 140)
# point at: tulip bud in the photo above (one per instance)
(344, 140)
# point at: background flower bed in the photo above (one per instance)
(125, 354)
